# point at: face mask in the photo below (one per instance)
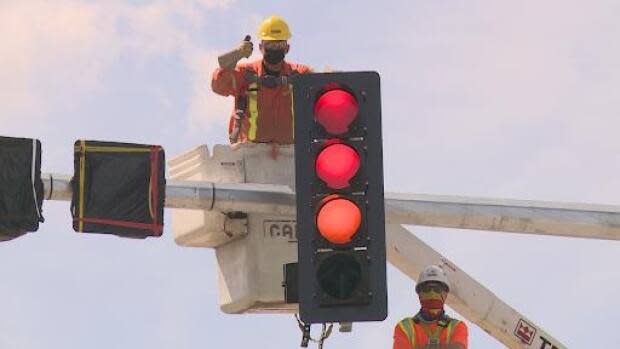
(432, 303)
(273, 56)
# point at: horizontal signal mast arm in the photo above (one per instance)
(246, 197)
(505, 215)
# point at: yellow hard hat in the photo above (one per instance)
(274, 28)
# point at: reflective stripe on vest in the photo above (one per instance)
(451, 327)
(290, 90)
(253, 110)
(408, 327)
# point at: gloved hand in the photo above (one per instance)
(229, 60)
(246, 47)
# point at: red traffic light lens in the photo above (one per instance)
(335, 110)
(337, 164)
(338, 220)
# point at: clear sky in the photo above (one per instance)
(515, 99)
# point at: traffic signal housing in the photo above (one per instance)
(340, 205)
(118, 189)
(21, 187)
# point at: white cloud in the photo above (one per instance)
(206, 107)
(54, 52)
(39, 41)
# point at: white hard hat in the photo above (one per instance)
(433, 273)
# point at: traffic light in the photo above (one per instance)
(340, 206)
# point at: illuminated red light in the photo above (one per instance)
(335, 110)
(338, 220)
(337, 164)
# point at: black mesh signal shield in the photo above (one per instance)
(118, 188)
(21, 188)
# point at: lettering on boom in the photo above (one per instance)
(546, 344)
(280, 229)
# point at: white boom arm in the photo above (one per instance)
(468, 297)
(502, 215)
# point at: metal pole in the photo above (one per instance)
(518, 216)
(246, 197)
(506, 215)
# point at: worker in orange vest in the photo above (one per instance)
(431, 327)
(263, 111)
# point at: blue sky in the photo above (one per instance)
(502, 99)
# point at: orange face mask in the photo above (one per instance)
(432, 302)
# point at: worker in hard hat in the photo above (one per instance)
(263, 98)
(431, 327)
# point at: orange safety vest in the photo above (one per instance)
(267, 114)
(420, 334)
(252, 112)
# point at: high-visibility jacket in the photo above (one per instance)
(415, 333)
(268, 116)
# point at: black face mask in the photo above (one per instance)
(273, 56)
